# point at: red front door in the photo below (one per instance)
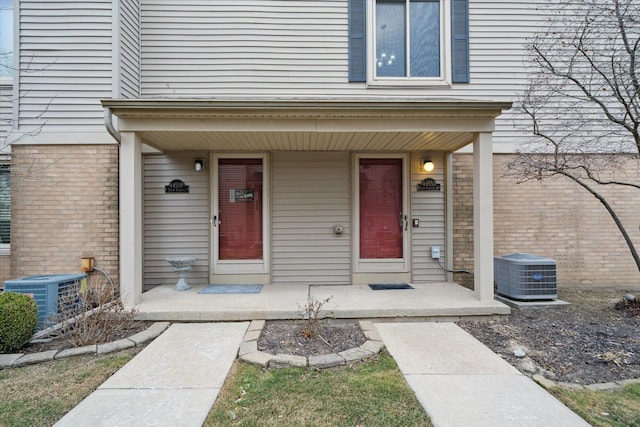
(240, 209)
(381, 216)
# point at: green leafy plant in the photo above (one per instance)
(310, 312)
(18, 320)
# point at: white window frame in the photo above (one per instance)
(445, 49)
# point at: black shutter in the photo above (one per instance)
(460, 41)
(357, 41)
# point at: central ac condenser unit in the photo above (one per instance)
(53, 293)
(525, 277)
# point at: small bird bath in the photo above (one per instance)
(181, 265)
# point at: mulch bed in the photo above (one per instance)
(289, 338)
(595, 339)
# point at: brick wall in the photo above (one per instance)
(5, 269)
(552, 218)
(64, 206)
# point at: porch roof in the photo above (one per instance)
(304, 124)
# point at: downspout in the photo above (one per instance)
(108, 123)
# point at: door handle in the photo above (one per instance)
(404, 222)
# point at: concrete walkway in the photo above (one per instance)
(172, 382)
(460, 382)
(175, 380)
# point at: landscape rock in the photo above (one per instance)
(519, 353)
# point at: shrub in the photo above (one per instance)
(92, 316)
(18, 320)
(311, 314)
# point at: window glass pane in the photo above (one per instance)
(6, 38)
(5, 204)
(425, 38)
(390, 39)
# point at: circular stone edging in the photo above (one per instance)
(249, 350)
(21, 359)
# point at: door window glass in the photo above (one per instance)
(380, 208)
(240, 204)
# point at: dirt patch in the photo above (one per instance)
(589, 341)
(288, 338)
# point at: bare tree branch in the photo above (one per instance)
(582, 100)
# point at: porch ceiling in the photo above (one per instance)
(307, 141)
(307, 125)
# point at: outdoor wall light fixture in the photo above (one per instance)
(199, 165)
(427, 165)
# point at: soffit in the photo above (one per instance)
(313, 125)
(307, 141)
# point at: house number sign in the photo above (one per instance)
(428, 184)
(176, 186)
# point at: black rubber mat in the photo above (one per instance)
(385, 286)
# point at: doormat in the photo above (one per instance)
(385, 286)
(231, 289)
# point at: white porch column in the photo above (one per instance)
(483, 216)
(130, 218)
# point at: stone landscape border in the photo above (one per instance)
(21, 359)
(249, 350)
(548, 384)
(249, 353)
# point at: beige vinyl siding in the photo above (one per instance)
(65, 62)
(429, 208)
(276, 47)
(198, 47)
(299, 48)
(129, 49)
(310, 194)
(175, 224)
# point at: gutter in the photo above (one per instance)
(108, 123)
(358, 104)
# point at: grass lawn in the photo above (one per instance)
(39, 395)
(620, 407)
(368, 394)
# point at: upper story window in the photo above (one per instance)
(408, 38)
(6, 39)
(409, 42)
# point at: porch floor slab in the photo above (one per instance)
(428, 301)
